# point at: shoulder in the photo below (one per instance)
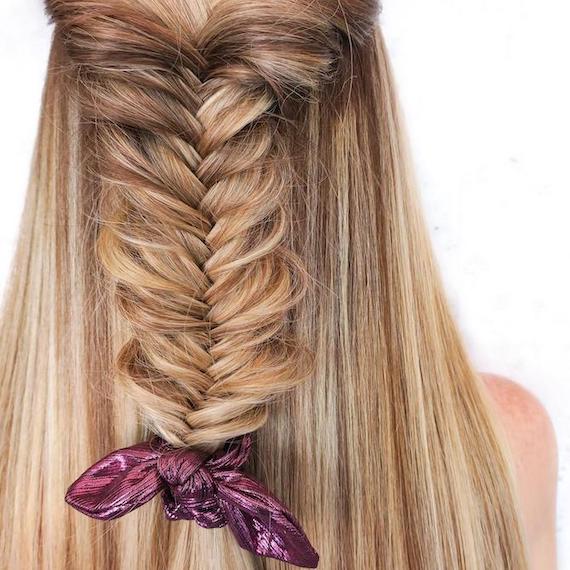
(524, 417)
(532, 441)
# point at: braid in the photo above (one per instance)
(191, 137)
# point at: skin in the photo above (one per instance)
(531, 438)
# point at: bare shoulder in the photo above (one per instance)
(527, 422)
(531, 437)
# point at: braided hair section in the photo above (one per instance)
(191, 130)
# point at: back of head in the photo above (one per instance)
(222, 237)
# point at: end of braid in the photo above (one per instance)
(191, 154)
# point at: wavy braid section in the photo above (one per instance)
(191, 131)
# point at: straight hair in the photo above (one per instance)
(222, 235)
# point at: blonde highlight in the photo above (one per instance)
(222, 225)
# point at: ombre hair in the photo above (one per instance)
(222, 235)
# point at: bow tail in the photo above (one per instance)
(262, 524)
(117, 484)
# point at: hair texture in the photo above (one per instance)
(222, 235)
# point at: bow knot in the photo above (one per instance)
(210, 490)
(190, 491)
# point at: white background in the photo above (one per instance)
(486, 93)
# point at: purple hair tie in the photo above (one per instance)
(208, 489)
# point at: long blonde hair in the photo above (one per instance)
(222, 235)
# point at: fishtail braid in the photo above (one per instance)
(191, 130)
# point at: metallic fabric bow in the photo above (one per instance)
(208, 489)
